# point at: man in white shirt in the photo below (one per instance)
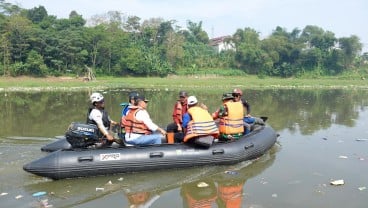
(98, 116)
(140, 127)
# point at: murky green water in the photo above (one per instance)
(319, 143)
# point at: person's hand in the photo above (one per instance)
(163, 132)
(180, 128)
(109, 137)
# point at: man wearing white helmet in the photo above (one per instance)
(98, 116)
(198, 121)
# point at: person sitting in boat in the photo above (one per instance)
(126, 106)
(198, 121)
(175, 130)
(248, 119)
(139, 127)
(231, 118)
(98, 116)
(131, 97)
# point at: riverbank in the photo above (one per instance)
(175, 82)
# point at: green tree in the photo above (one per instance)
(35, 64)
(37, 14)
(351, 47)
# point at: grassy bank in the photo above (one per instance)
(175, 82)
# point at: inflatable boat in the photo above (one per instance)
(70, 163)
(82, 190)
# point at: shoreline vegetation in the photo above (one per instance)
(195, 82)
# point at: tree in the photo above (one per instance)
(196, 33)
(37, 14)
(35, 64)
(351, 48)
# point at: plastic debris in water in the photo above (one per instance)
(274, 195)
(202, 185)
(361, 140)
(120, 179)
(109, 183)
(343, 157)
(100, 189)
(3, 194)
(337, 182)
(18, 197)
(324, 138)
(40, 193)
(362, 188)
(231, 172)
(45, 203)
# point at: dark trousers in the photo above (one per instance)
(178, 135)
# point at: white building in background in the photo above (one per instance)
(222, 44)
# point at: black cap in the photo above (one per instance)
(139, 98)
(133, 95)
(227, 96)
(183, 94)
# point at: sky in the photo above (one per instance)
(223, 17)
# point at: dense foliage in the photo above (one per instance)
(37, 44)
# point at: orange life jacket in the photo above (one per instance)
(233, 122)
(202, 124)
(200, 203)
(231, 196)
(179, 111)
(132, 125)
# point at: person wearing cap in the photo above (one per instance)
(198, 121)
(139, 127)
(131, 97)
(125, 109)
(248, 119)
(175, 130)
(98, 116)
(231, 118)
(238, 97)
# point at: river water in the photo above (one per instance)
(323, 137)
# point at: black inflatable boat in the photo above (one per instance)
(71, 163)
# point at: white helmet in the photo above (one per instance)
(96, 97)
(192, 100)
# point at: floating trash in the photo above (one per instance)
(324, 138)
(40, 193)
(100, 189)
(18, 197)
(337, 182)
(3, 194)
(361, 140)
(230, 172)
(120, 179)
(362, 188)
(274, 195)
(202, 185)
(45, 203)
(343, 157)
(109, 183)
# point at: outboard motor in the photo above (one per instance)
(81, 135)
